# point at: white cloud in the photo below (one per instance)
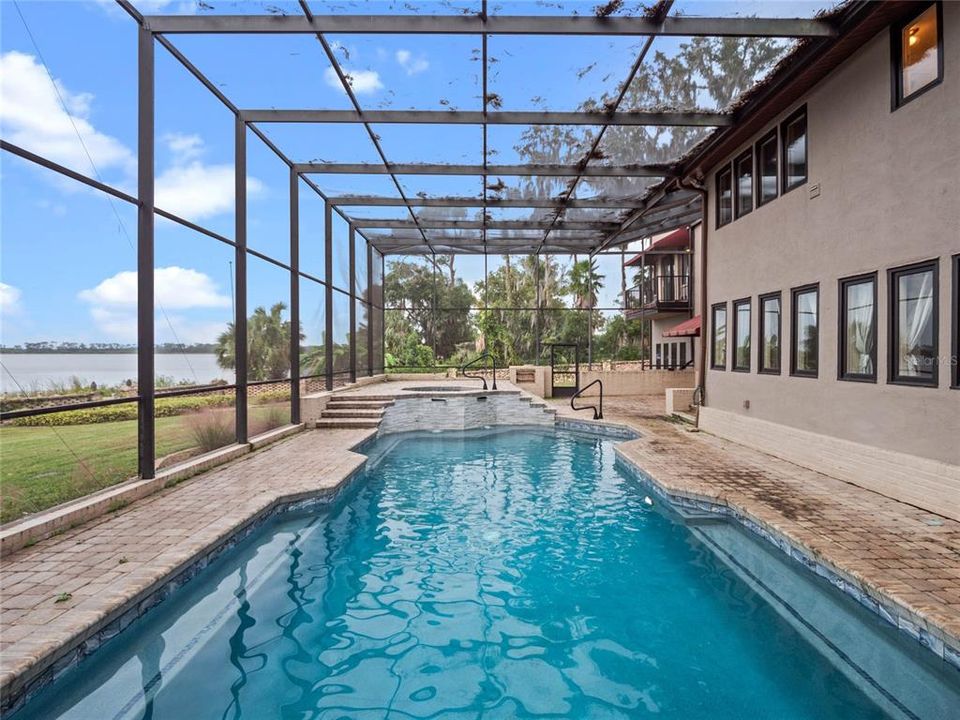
(9, 299)
(363, 82)
(184, 147)
(412, 65)
(175, 288)
(32, 116)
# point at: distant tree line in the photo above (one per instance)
(48, 346)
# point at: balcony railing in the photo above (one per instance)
(660, 292)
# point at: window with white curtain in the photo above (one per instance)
(805, 355)
(718, 359)
(913, 313)
(770, 324)
(858, 328)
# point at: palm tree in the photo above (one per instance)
(268, 345)
(585, 281)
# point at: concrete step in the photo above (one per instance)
(361, 398)
(350, 413)
(346, 423)
(358, 404)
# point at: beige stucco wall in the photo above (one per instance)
(888, 197)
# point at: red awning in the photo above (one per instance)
(688, 328)
(677, 240)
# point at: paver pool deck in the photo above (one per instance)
(54, 594)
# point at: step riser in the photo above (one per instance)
(358, 406)
(351, 415)
(339, 424)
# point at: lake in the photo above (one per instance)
(38, 371)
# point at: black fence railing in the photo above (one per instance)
(659, 289)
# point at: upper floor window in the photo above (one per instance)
(793, 136)
(743, 169)
(767, 152)
(917, 49)
(741, 335)
(724, 196)
(858, 328)
(805, 354)
(913, 324)
(718, 359)
(770, 333)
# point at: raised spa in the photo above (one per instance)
(509, 574)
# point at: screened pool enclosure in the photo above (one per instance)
(403, 185)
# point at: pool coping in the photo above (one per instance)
(911, 623)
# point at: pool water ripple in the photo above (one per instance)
(516, 574)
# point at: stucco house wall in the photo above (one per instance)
(888, 196)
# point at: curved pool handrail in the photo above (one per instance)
(482, 356)
(597, 411)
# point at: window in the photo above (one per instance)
(673, 356)
(858, 328)
(724, 197)
(741, 335)
(770, 324)
(743, 167)
(658, 356)
(913, 324)
(806, 330)
(719, 357)
(793, 135)
(956, 322)
(917, 55)
(683, 355)
(767, 168)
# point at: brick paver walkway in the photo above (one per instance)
(910, 555)
(53, 593)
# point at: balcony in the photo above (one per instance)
(658, 296)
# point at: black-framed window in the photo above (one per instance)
(916, 49)
(793, 138)
(857, 359)
(767, 152)
(913, 324)
(718, 330)
(741, 335)
(743, 183)
(768, 360)
(659, 356)
(955, 359)
(805, 332)
(673, 356)
(955, 355)
(724, 196)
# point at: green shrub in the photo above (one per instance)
(164, 407)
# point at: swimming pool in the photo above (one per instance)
(507, 574)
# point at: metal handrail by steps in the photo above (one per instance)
(597, 412)
(493, 361)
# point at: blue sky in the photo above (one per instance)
(68, 254)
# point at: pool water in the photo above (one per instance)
(500, 575)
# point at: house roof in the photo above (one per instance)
(856, 21)
(688, 328)
(676, 241)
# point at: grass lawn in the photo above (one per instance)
(45, 466)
